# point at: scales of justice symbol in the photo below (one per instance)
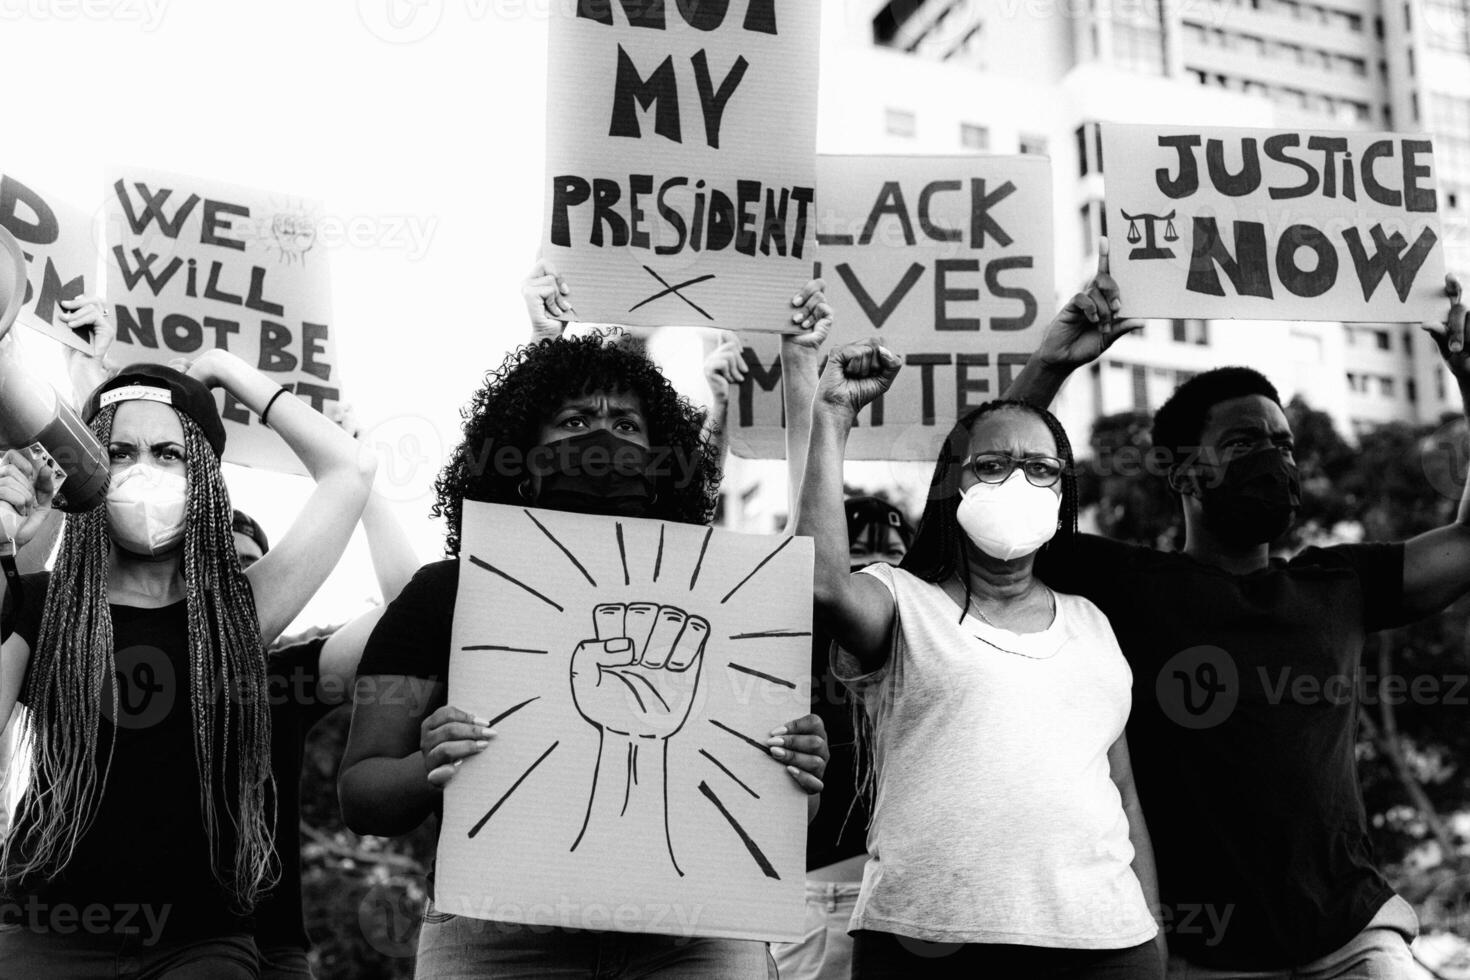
(1150, 249)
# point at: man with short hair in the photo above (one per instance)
(1245, 717)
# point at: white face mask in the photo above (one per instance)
(1010, 519)
(145, 509)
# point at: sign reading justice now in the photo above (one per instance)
(680, 148)
(1274, 224)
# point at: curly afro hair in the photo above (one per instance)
(502, 424)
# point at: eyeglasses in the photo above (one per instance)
(1041, 471)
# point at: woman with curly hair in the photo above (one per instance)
(549, 407)
(991, 702)
(144, 835)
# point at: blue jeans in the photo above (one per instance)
(1379, 952)
(454, 947)
(825, 950)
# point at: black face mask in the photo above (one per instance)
(1255, 500)
(594, 473)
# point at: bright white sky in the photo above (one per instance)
(424, 117)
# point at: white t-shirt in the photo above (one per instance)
(996, 819)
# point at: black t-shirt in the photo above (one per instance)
(144, 859)
(296, 705)
(1243, 734)
(839, 830)
(414, 635)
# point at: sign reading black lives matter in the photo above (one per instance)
(679, 150)
(1274, 224)
(194, 264)
(949, 261)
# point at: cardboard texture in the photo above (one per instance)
(61, 255)
(621, 796)
(949, 260)
(194, 264)
(679, 159)
(1270, 224)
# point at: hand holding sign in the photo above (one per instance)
(1450, 336)
(1087, 325)
(447, 738)
(638, 677)
(855, 375)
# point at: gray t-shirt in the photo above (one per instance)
(996, 818)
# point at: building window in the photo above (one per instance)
(1386, 387)
(900, 122)
(1411, 391)
(1082, 169)
(1381, 338)
(1191, 332)
(1140, 388)
(1033, 144)
(973, 137)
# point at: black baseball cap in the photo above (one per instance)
(159, 383)
(243, 523)
(867, 513)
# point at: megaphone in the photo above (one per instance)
(33, 416)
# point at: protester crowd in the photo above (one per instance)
(996, 785)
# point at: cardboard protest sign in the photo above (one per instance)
(631, 670)
(679, 146)
(61, 256)
(1274, 224)
(949, 260)
(194, 264)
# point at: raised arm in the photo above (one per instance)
(856, 610)
(1437, 563)
(801, 362)
(1088, 325)
(723, 366)
(546, 294)
(289, 575)
(25, 505)
(393, 556)
(87, 371)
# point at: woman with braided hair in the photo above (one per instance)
(143, 840)
(1005, 838)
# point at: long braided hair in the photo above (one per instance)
(941, 548)
(71, 672)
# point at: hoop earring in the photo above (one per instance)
(524, 489)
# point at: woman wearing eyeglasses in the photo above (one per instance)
(1005, 838)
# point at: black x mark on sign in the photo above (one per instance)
(675, 290)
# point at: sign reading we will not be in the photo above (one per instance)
(60, 255)
(679, 152)
(949, 261)
(194, 264)
(1274, 224)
